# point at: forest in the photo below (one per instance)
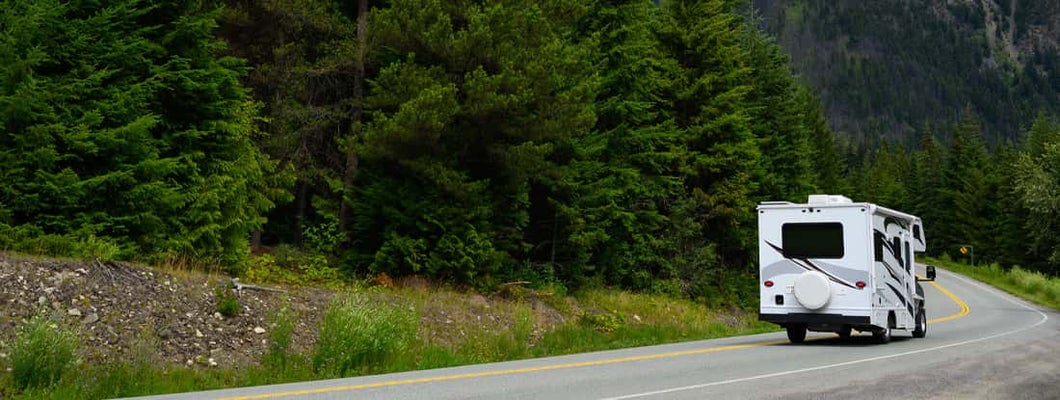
(575, 143)
(883, 68)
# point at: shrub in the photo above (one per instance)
(227, 303)
(358, 334)
(43, 350)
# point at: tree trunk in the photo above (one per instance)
(352, 160)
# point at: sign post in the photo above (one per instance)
(967, 248)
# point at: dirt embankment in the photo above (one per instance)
(122, 310)
(117, 308)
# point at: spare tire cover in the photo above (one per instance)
(813, 290)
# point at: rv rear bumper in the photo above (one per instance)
(812, 318)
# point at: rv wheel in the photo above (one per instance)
(921, 324)
(796, 333)
(884, 335)
(844, 332)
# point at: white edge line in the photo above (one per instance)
(842, 364)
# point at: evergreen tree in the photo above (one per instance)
(123, 123)
(465, 114)
(967, 195)
(1037, 185)
(301, 53)
(883, 180)
(611, 201)
(1008, 238)
(824, 156)
(927, 192)
(708, 102)
(778, 122)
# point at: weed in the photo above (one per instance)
(227, 303)
(361, 335)
(278, 356)
(42, 352)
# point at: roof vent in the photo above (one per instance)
(828, 199)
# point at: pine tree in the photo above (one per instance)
(777, 119)
(610, 201)
(465, 114)
(927, 192)
(967, 195)
(708, 102)
(123, 123)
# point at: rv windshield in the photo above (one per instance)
(813, 240)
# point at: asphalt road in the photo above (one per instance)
(981, 343)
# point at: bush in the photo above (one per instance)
(290, 266)
(42, 351)
(227, 303)
(358, 335)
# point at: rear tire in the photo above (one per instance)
(844, 332)
(884, 335)
(921, 324)
(797, 333)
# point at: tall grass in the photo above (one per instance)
(360, 335)
(364, 333)
(1029, 285)
(42, 352)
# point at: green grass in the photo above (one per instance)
(42, 352)
(1028, 285)
(373, 331)
(359, 336)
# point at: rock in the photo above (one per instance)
(49, 290)
(42, 300)
(91, 318)
(479, 301)
(198, 333)
(212, 362)
(218, 315)
(259, 330)
(636, 317)
(74, 312)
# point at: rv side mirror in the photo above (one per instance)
(930, 273)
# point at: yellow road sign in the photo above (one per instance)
(964, 250)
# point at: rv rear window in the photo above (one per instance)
(813, 240)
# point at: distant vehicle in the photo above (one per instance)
(833, 265)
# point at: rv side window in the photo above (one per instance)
(813, 240)
(896, 248)
(879, 245)
(916, 232)
(908, 259)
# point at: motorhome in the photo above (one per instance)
(833, 265)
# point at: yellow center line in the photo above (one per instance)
(960, 303)
(964, 311)
(505, 372)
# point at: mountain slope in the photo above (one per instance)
(884, 68)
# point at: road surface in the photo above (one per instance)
(981, 343)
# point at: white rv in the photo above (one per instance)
(832, 265)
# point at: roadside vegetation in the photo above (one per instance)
(1032, 286)
(369, 327)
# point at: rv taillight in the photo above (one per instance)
(860, 284)
(769, 283)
